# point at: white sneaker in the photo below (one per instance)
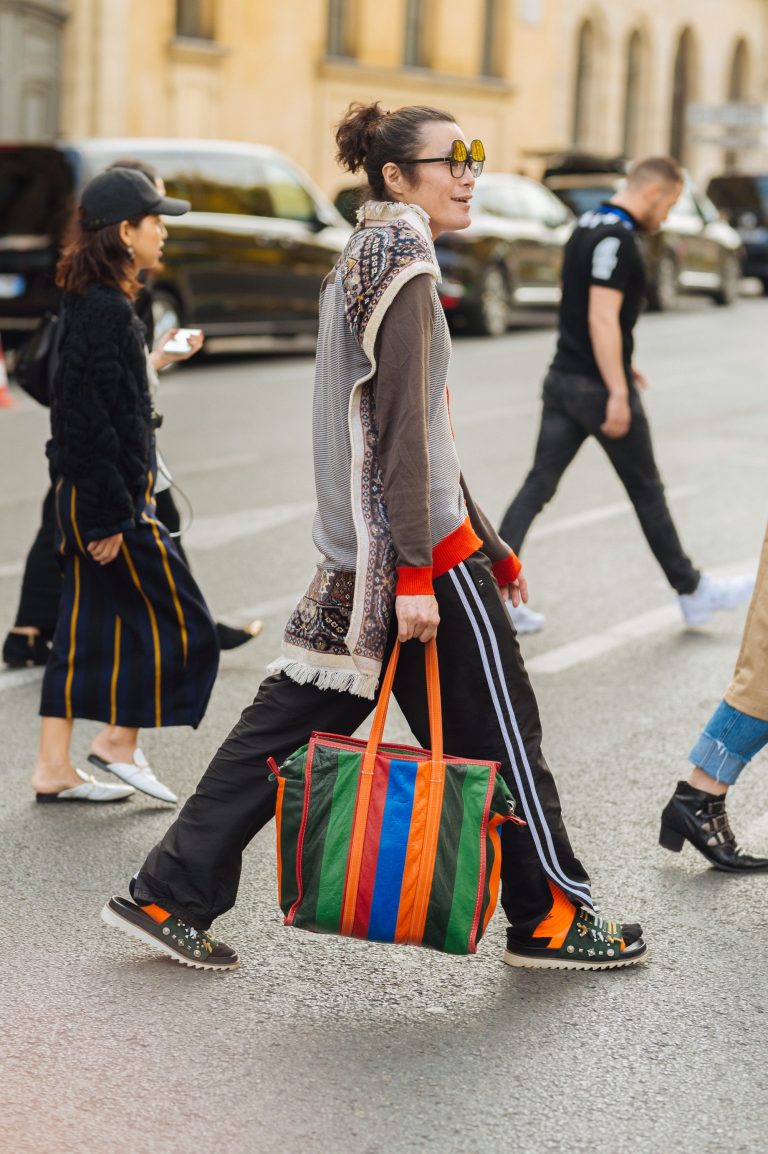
(525, 620)
(137, 773)
(713, 594)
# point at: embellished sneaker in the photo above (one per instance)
(571, 938)
(525, 620)
(713, 594)
(171, 935)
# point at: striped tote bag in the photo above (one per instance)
(391, 843)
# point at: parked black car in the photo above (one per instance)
(743, 201)
(248, 260)
(695, 251)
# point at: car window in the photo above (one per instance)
(36, 192)
(707, 208)
(290, 199)
(581, 200)
(738, 192)
(231, 183)
(178, 169)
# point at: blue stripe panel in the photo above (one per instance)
(393, 844)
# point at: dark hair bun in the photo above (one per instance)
(355, 133)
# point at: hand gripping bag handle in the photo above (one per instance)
(433, 702)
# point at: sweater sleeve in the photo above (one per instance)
(401, 390)
(88, 384)
(505, 563)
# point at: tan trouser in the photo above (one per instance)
(748, 690)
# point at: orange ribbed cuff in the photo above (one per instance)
(507, 570)
(455, 548)
(414, 582)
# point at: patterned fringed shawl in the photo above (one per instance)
(337, 634)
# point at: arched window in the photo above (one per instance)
(738, 84)
(633, 95)
(738, 90)
(415, 38)
(583, 90)
(682, 92)
(491, 63)
(340, 33)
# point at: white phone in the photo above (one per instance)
(179, 342)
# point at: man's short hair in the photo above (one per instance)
(655, 170)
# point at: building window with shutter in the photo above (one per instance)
(683, 88)
(633, 94)
(415, 35)
(340, 37)
(583, 96)
(492, 39)
(194, 19)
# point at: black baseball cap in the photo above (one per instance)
(122, 194)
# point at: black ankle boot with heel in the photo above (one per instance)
(699, 817)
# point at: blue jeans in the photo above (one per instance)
(729, 740)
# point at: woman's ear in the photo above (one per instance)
(393, 177)
(124, 232)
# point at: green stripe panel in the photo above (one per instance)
(324, 766)
(486, 887)
(473, 796)
(331, 845)
(499, 798)
(293, 803)
(440, 899)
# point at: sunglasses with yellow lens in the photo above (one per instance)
(461, 157)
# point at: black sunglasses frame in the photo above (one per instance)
(475, 166)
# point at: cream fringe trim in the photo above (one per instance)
(389, 210)
(342, 680)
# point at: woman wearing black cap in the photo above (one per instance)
(135, 646)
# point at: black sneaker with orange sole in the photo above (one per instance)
(172, 936)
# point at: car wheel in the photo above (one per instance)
(166, 312)
(491, 316)
(729, 281)
(663, 291)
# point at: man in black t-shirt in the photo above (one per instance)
(592, 387)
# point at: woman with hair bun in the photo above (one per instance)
(406, 554)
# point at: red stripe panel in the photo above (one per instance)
(371, 846)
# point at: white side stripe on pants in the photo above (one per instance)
(526, 788)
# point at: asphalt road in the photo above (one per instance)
(334, 1047)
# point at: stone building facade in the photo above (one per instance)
(31, 39)
(525, 75)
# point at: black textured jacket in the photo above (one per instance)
(101, 426)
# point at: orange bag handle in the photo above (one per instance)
(433, 703)
(365, 785)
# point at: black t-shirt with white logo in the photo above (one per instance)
(603, 250)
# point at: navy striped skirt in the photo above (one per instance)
(135, 644)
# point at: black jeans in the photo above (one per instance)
(489, 712)
(41, 584)
(574, 409)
